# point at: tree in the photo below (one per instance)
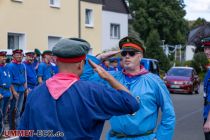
(132, 32)
(165, 16)
(199, 21)
(199, 62)
(153, 50)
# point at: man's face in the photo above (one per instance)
(207, 52)
(53, 59)
(2, 59)
(48, 58)
(106, 63)
(114, 64)
(18, 57)
(131, 59)
(30, 58)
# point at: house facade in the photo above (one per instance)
(91, 24)
(115, 23)
(189, 52)
(28, 24)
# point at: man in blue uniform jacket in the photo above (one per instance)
(206, 114)
(74, 108)
(18, 87)
(30, 70)
(151, 91)
(45, 70)
(5, 93)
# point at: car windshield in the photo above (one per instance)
(179, 72)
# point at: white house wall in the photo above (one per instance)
(189, 53)
(116, 18)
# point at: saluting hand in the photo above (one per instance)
(101, 72)
(106, 76)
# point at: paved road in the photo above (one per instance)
(189, 119)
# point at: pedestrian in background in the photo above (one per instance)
(30, 70)
(5, 91)
(19, 87)
(37, 59)
(206, 114)
(45, 70)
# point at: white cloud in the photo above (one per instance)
(198, 5)
(197, 8)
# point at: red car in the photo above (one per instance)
(182, 80)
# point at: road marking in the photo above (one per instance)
(188, 115)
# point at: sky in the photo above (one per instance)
(197, 8)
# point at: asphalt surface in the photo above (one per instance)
(189, 121)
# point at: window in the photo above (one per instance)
(89, 17)
(115, 31)
(52, 40)
(54, 3)
(16, 41)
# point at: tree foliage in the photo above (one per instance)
(199, 21)
(153, 50)
(165, 16)
(199, 62)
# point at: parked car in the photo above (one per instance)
(182, 80)
(152, 65)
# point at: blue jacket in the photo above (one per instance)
(31, 75)
(18, 74)
(45, 71)
(5, 81)
(78, 114)
(153, 94)
(207, 91)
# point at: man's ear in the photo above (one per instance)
(80, 66)
(141, 55)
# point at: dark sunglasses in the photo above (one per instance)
(130, 53)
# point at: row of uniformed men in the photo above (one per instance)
(18, 78)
